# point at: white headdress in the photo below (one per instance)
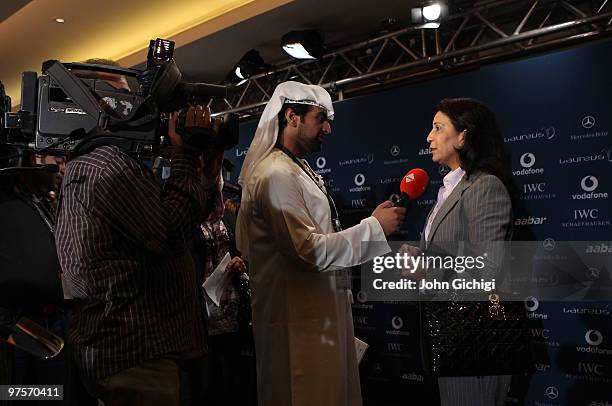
(267, 133)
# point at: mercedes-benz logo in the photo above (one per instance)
(527, 160)
(378, 369)
(443, 170)
(588, 121)
(584, 183)
(548, 244)
(593, 337)
(359, 179)
(593, 274)
(532, 303)
(552, 392)
(397, 322)
(321, 162)
(395, 150)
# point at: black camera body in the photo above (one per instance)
(70, 109)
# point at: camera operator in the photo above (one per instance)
(125, 246)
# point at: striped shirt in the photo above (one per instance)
(124, 243)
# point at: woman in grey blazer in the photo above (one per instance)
(474, 205)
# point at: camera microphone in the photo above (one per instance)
(412, 186)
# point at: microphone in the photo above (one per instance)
(48, 168)
(412, 186)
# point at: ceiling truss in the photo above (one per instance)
(486, 32)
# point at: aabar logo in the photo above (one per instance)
(530, 221)
(598, 249)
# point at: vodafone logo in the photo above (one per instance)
(359, 179)
(527, 160)
(321, 162)
(397, 322)
(532, 304)
(589, 183)
(362, 297)
(593, 337)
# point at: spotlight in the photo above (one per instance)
(430, 15)
(250, 64)
(307, 44)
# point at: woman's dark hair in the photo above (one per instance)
(483, 149)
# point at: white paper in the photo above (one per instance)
(360, 349)
(215, 284)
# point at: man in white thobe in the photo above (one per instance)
(288, 230)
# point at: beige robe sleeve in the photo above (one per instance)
(299, 216)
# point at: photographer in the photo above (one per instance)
(125, 246)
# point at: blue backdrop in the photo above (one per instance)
(554, 111)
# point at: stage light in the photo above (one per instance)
(307, 44)
(250, 64)
(432, 13)
(429, 15)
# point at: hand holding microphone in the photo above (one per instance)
(389, 217)
(412, 186)
(391, 213)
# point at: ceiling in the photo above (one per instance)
(210, 35)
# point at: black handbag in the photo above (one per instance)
(477, 338)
